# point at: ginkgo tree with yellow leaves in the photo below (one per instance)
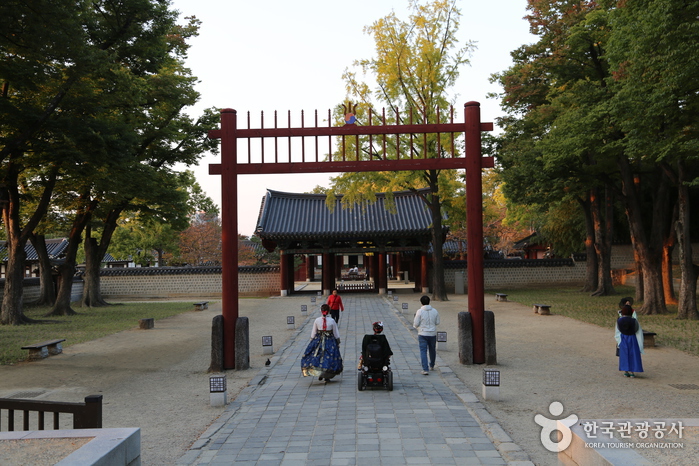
(409, 80)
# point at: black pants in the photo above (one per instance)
(335, 314)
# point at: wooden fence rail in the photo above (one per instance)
(87, 415)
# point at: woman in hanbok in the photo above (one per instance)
(322, 356)
(629, 339)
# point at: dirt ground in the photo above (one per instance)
(543, 359)
(157, 380)
(153, 379)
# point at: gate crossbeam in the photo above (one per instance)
(350, 166)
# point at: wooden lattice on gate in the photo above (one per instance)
(383, 142)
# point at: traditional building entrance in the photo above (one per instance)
(308, 157)
(386, 241)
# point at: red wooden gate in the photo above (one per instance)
(372, 133)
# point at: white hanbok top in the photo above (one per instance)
(330, 325)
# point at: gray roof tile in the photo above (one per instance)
(305, 216)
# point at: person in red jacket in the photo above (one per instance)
(336, 306)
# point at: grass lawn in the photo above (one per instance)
(88, 324)
(602, 311)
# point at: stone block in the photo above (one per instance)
(146, 324)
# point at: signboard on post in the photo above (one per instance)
(267, 347)
(441, 340)
(290, 323)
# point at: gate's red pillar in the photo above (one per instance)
(474, 214)
(382, 275)
(229, 234)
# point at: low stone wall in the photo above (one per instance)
(519, 273)
(185, 282)
(31, 289)
(205, 282)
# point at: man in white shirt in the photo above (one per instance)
(426, 321)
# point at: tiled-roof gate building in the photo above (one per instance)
(303, 224)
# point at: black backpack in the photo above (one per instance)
(374, 351)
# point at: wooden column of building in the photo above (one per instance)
(397, 272)
(290, 264)
(424, 281)
(415, 272)
(367, 267)
(338, 267)
(375, 270)
(284, 274)
(310, 267)
(382, 283)
(328, 280)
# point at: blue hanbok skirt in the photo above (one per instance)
(630, 354)
(322, 357)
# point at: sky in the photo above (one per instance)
(267, 55)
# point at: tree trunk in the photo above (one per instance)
(603, 243)
(94, 252)
(687, 303)
(591, 263)
(439, 291)
(92, 296)
(640, 291)
(648, 252)
(47, 289)
(668, 279)
(67, 269)
(11, 313)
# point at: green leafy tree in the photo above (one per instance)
(417, 62)
(550, 152)
(652, 51)
(77, 78)
(54, 58)
(140, 177)
(153, 235)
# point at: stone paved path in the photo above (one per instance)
(283, 418)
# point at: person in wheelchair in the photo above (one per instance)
(376, 351)
(374, 369)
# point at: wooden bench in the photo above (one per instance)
(500, 297)
(542, 309)
(201, 306)
(648, 339)
(43, 349)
